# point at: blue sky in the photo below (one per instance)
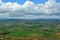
(22, 1)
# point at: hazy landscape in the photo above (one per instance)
(29, 19)
(22, 29)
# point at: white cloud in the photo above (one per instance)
(30, 10)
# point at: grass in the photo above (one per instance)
(47, 29)
(24, 33)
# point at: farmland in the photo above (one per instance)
(15, 29)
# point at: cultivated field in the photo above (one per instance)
(15, 29)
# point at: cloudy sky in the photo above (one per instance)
(30, 9)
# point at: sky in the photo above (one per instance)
(30, 9)
(22, 1)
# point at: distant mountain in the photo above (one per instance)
(3, 19)
(6, 19)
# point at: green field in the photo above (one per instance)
(31, 29)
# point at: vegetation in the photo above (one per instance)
(30, 29)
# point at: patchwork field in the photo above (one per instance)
(29, 29)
